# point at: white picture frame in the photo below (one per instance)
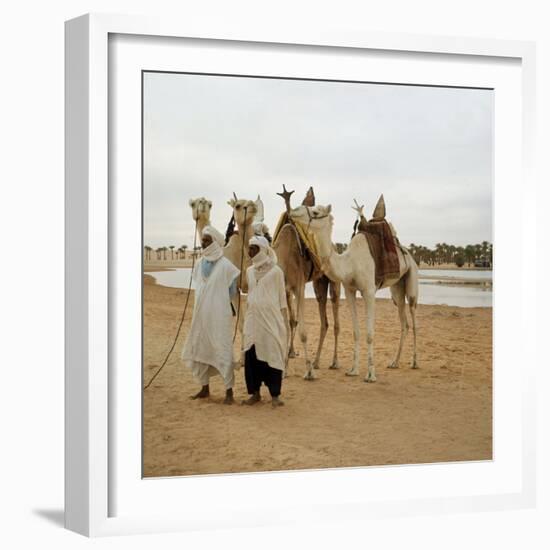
(89, 460)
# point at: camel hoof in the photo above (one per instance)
(292, 354)
(309, 376)
(394, 365)
(334, 366)
(415, 365)
(369, 379)
(352, 373)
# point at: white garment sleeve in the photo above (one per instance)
(250, 279)
(196, 274)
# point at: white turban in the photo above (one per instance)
(260, 242)
(263, 261)
(260, 228)
(215, 234)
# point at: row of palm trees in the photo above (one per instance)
(443, 253)
(168, 252)
(472, 254)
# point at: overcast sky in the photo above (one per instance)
(429, 150)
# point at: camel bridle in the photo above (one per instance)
(311, 218)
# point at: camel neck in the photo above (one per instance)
(331, 261)
(201, 224)
(246, 235)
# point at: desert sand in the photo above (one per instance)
(439, 413)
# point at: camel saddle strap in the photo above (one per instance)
(382, 248)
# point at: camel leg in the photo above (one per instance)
(300, 303)
(368, 297)
(321, 288)
(412, 309)
(398, 296)
(350, 299)
(335, 299)
(292, 353)
(411, 290)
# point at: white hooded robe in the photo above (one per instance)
(210, 339)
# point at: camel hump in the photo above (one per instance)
(379, 212)
(309, 199)
(287, 231)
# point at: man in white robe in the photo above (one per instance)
(265, 324)
(208, 349)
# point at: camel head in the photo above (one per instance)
(316, 218)
(243, 210)
(201, 208)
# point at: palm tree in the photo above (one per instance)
(438, 252)
(451, 253)
(184, 248)
(478, 251)
(485, 252)
(430, 256)
(445, 252)
(469, 254)
(172, 250)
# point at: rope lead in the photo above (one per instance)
(183, 315)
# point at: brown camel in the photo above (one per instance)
(299, 268)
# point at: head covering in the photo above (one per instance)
(260, 242)
(215, 234)
(260, 228)
(262, 262)
(212, 252)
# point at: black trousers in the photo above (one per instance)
(256, 372)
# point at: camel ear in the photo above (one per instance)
(309, 199)
(329, 208)
(380, 209)
(190, 202)
(210, 204)
(231, 202)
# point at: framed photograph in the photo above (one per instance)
(290, 262)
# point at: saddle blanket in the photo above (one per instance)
(382, 248)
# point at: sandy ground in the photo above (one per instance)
(441, 412)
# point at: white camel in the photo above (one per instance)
(201, 208)
(236, 249)
(355, 269)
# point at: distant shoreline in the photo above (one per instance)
(161, 265)
(170, 265)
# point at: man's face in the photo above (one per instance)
(206, 241)
(253, 250)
